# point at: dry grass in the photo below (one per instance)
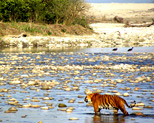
(14, 28)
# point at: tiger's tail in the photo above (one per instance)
(131, 105)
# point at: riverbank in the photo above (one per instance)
(106, 34)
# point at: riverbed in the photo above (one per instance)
(34, 83)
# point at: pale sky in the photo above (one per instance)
(120, 1)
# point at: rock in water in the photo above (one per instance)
(62, 105)
(12, 109)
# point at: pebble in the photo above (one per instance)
(136, 108)
(11, 110)
(24, 116)
(71, 101)
(80, 102)
(63, 109)
(73, 118)
(35, 100)
(139, 114)
(114, 91)
(14, 82)
(132, 118)
(26, 106)
(67, 89)
(30, 83)
(136, 88)
(47, 98)
(119, 80)
(45, 87)
(140, 104)
(118, 93)
(69, 110)
(148, 106)
(80, 96)
(40, 122)
(44, 108)
(75, 88)
(35, 106)
(152, 93)
(13, 103)
(125, 94)
(61, 105)
(51, 107)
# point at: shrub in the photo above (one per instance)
(48, 11)
(81, 21)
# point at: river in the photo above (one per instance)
(36, 81)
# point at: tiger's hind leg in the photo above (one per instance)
(122, 108)
(99, 109)
(115, 110)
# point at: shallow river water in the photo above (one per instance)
(35, 83)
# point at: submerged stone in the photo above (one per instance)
(61, 105)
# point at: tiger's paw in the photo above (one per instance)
(98, 113)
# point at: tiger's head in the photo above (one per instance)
(88, 98)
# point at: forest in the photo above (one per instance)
(67, 12)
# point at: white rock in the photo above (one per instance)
(136, 108)
(73, 118)
(125, 94)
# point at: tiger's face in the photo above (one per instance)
(88, 98)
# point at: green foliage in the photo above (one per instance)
(46, 11)
(81, 21)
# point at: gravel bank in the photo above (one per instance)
(107, 34)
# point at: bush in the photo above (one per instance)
(46, 11)
(81, 21)
(19, 10)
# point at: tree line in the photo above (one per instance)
(44, 11)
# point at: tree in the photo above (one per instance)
(49, 11)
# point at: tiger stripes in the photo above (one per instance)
(107, 102)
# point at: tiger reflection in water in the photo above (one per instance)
(109, 119)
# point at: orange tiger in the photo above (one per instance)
(107, 101)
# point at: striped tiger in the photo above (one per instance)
(108, 102)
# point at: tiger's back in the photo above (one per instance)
(110, 101)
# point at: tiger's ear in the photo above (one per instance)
(91, 95)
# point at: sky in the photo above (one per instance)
(119, 1)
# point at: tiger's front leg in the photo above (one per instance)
(96, 109)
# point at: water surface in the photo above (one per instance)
(97, 69)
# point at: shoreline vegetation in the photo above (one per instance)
(95, 27)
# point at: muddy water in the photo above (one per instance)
(35, 84)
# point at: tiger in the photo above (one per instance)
(108, 101)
